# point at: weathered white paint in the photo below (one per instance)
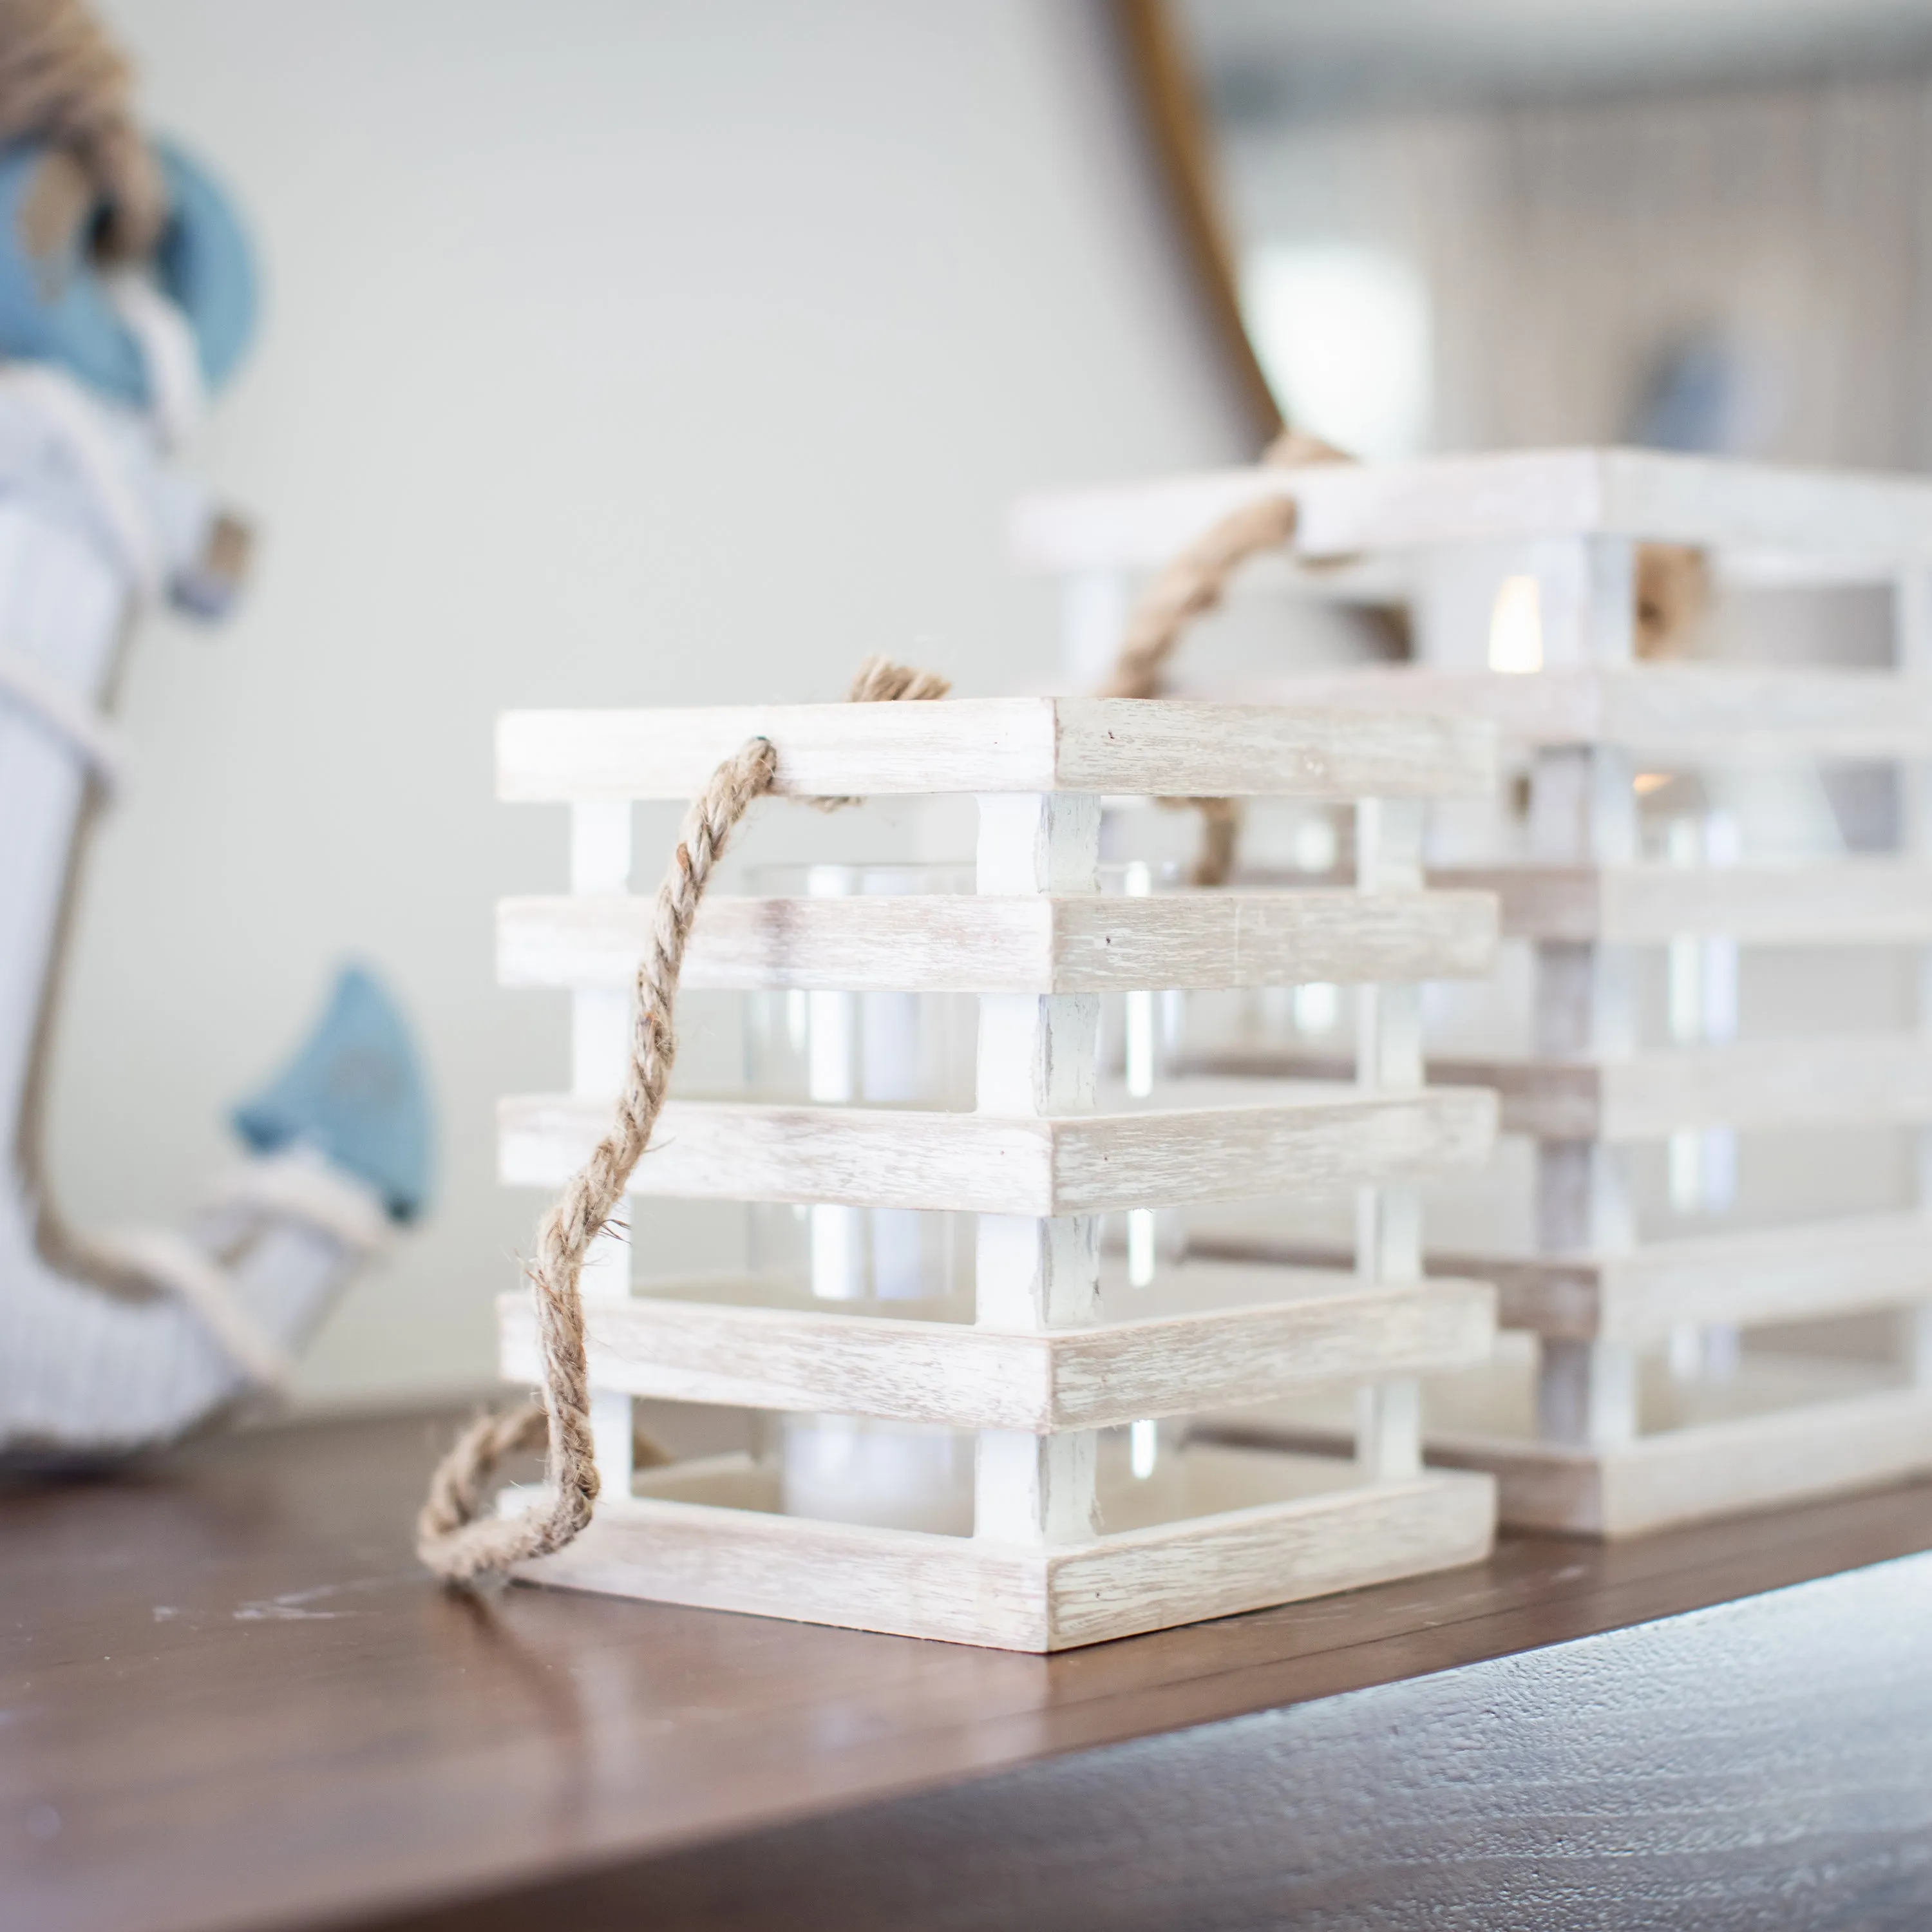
(1045, 943)
(713, 1547)
(1094, 745)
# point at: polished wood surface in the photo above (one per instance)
(229, 1698)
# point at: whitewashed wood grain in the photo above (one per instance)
(1285, 1139)
(1847, 521)
(1320, 1327)
(1691, 1474)
(1036, 1055)
(1249, 1559)
(1862, 1079)
(1852, 901)
(1007, 1596)
(1000, 745)
(965, 943)
(1796, 1271)
(1714, 713)
(1870, 1078)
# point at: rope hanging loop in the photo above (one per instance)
(456, 1536)
(1190, 587)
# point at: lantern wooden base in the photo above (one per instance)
(1782, 1429)
(1691, 1474)
(1262, 1529)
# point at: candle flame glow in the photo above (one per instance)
(1516, 626)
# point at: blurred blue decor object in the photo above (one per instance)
(1690, 401)
(355, 1093)
(57, 304)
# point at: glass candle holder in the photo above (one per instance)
(1143, 1040)
(872, 1049)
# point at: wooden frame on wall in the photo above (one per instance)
(1166, 99)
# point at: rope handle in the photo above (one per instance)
(1190, 587)
(455, 1537)
(1672, 591)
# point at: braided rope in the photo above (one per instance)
(454, 1538)
(1190, 587)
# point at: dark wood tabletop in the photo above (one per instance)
(229, 1698)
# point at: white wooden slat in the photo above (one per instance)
(1868, 1078)
(1863, 1079)
(1777, 1458)
(1711, 713)
(999, 745)
(968, 942)
(729, 1555)
(1847, 521)
(1315, 1327)
(1793, 1272)
(1851, 901)
(1287, 1139)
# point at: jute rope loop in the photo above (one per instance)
(1673, 591)
(1190, 587)
(454, 1538)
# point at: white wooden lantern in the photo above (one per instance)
(1635, 1407)
(1069, 1541)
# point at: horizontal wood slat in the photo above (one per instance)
(1691, 1474)
(1850, 1264)
(1842, 1267)
(965, 943)
(1866, 1079)
(999, 745)
(1705, 713)
(1348, 508)
(1850, 902)
(1304, 1139)
(1315, 1327)
(969, 1590)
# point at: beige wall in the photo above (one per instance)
(615, 353)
